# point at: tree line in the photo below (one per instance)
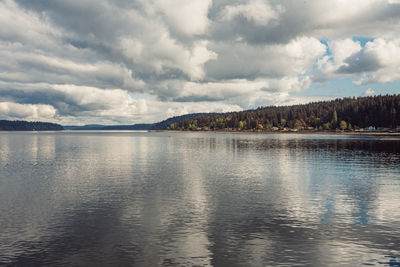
(6, 125)
(374, 112)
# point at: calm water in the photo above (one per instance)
(198, 199)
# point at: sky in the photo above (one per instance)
(132, 61)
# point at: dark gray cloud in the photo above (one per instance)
(359, 63)
(322, 19)
(64, 104)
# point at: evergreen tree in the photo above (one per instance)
(378, 111)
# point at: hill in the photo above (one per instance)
(85, 127)
(89, 127)
(6, 125)
(165, 124)
(375, 112)
(136, 127)
(162, 125)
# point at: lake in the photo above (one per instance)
(198, 199)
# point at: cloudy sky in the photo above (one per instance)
(132, 61)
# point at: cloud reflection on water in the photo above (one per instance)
(205, 199)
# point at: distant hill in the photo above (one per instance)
(142, 126)
(6, 125)
(89, 127)
(85, 127)
(162, 125)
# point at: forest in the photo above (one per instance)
(347, 114)
(6, 125)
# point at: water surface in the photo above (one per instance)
(198, 199)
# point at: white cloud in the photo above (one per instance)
(71, 104)
(241, 60)
(338, 11)
(102, 98)
(186, 16)
(18, 25)
(289, 84)
(339, 19)
(29, 112)
(242, 92)
(258, 11)
(166, 52)
(369, 92)
(340, 50)
(20, 64)
(377, 62)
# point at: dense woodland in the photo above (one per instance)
(166, 124)
(28, 126)
(377, 112)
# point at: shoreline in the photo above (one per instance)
(365, 133)
(374, 133)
